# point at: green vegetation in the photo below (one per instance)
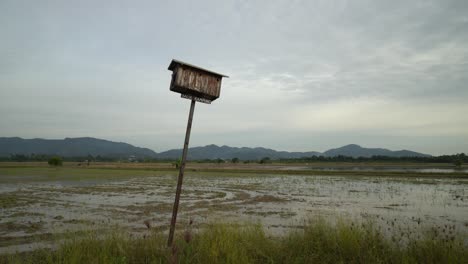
(459, 159)
(44, 157)
(8, 201)
(177, 163)
(318, 242)
(14, 174)
(340, 158)
(11, 200)
(312, 159)
(55, 161)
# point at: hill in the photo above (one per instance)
(71, 147)
(226, 152)
(81, 147)
(353, 150)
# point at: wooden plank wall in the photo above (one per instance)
(198, 81)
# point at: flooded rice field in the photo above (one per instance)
(379, 169)
(35, 212)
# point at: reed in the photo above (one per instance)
(317, 242)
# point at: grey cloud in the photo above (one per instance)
(75, 68)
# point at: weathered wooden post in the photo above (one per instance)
(196, 84)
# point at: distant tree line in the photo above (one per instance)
(434, 159)
(457, 159)
(43, 157)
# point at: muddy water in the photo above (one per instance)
(378, 169)
(35, 213)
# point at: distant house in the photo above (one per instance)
(132, 158)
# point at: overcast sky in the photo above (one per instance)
(304, 75)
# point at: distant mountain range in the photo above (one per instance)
(353, 150)
(226, 152)
(71, 147)
(81, 147)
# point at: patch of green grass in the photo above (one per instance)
(9, 200)
(227, 243)
(6, 241)
(317, 242)
(14, 199)
(38, 174)
(267, 199)
(114, 247)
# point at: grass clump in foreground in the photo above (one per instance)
(318, 242)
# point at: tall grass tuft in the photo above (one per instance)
(114, 247)
(229, 243)
(317, 242)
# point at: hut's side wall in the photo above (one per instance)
(198, 81)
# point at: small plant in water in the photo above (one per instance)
(147, 224)
(188, 232)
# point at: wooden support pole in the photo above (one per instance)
(181, 175)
